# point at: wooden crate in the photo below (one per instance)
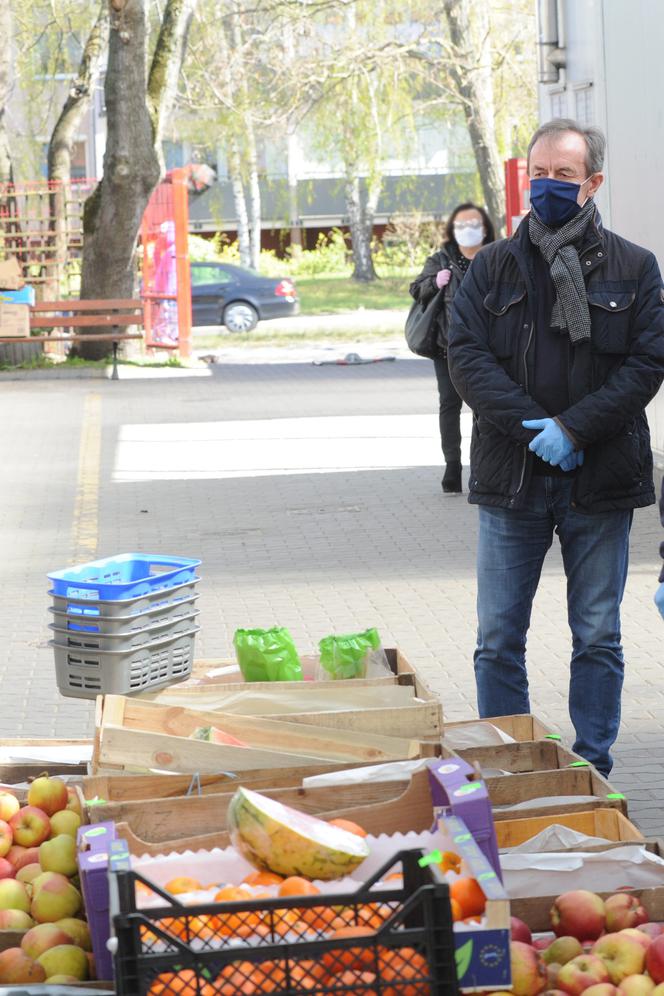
(520, 757)
(576, 778)
(402, 704)
(535, 911)
(525, 727)
(163, 819)
(608, 823)
(16, 772)
(507, 790)
(403, 809)
(146, 788)
(135, 734)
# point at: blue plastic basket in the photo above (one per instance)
(127, 575)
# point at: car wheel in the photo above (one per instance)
(240, 317)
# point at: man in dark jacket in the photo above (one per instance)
(557, 345)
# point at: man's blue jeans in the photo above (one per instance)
(595, 550)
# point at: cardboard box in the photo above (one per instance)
(14, 320)
(11, 277)
(26, 295)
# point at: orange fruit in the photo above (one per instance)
(353, 958)
(320, 918)
(297, 886)
(183, 983)
(358, 983)
(236, 980)
(451, 861)
(469, 896)
(457, 912)
(177, 886)
(394, 877)
(349, 826)
(232, 894)
(262, 878)
(398, 967)
(308, 974)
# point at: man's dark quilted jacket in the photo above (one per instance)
(493, 355)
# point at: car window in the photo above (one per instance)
(203, 274)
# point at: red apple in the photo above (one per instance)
(529, 975)
(28, 856)
(48, 794)
(578, 914)
(582, 972)
(624, 910)
(31, 826)
(636, 985)
(520, 931)
(9, 805)
(15, 966)
(542, 942)
(644, 939)
(655, 959)
(15, 852)
(622, 955)
(15, 920)
(6, 838)
(562, 950)
(7, 869)
(42, 937)
(74, 801)
(601, 989)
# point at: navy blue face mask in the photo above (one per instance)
(555, 201)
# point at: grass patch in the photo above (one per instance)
(291, 339)
(44, 362)
(334, 295)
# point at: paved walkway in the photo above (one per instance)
(312, 495)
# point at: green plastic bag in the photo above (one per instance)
(355, 655)
(267, 655)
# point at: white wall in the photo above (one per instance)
(618, 47)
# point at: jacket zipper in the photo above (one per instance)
(525, 384)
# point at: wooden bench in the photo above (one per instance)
(113, 313)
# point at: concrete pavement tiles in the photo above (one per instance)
(296, 543)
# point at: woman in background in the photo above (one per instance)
(468, 228)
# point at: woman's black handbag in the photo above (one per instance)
(422, 326)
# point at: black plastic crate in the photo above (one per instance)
(205, 950)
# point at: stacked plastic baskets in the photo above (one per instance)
(123, 624)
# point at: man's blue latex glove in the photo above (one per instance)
(573, 461)
(659, 599)
(551, 443)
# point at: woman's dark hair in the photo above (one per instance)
(489, 230)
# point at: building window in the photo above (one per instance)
(583, 102)
(558, 104)
(174, 156)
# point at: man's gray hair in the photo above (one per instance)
(594, 139)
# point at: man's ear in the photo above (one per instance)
(595, 183)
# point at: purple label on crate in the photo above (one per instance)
(447, 769)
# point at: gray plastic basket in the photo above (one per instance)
(104, 625)
(88, 673)
(160, 630)
(85, 609)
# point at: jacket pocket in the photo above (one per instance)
(504, 304)
(610, 314)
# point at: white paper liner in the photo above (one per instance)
(479, 734)
(395, 771)
(555, 838)
(548, 802)
(549, 874)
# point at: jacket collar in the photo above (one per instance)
(593, 249)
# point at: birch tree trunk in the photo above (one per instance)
(6, 171)
(136, 106)
(63, 137)
(471, 71)
(360, 231)
(240, 202)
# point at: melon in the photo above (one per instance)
(283, 840)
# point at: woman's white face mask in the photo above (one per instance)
(469, 234)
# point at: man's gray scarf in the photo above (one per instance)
(559, 248)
